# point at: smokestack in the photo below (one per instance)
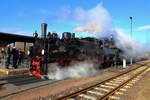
(44, 30)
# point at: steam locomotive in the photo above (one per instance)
(70, 49)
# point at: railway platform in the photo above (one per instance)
(11, 71)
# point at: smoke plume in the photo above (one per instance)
(79, 69)
(95, 20)
(129, 45)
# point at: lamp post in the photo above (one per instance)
(131, 19)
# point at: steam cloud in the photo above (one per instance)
(130, 46)
(95, 20)
(79, 69)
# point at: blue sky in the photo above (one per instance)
(25, 16)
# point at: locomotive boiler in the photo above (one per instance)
(69, 49)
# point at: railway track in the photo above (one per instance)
(109, 89)
(23, 80)
(17, 80)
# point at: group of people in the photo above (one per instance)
(13, 56)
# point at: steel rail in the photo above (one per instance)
(74, 94)
(24, 90)
(105, 97)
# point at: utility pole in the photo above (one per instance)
(131, 19)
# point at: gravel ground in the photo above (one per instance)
(144, 93)
(140, 90)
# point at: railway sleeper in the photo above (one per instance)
(126, 86)
(102, 89)
(115, 82)
(71, 99)
(112, 84)
(95, 92)
(107, 86)
(84, 96)
(117, 79)
(114, 98)
(118, 93)
(123, 89)
(129, 84)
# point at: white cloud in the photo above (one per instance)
(95, 20)
(144, 28)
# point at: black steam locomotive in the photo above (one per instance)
(69, 49)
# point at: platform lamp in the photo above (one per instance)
(131, 20)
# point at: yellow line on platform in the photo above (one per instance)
(13, 71)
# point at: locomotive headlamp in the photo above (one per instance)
(28, 52)
(35, 34)
(43, 52)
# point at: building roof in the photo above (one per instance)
(7, 38)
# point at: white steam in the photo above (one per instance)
(95, 20)
(130, 46)
(79, 69)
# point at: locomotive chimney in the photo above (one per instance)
(44, 30)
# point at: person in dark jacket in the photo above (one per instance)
(8, 56)
(15, 55)
(3, 53)
(20, 57)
